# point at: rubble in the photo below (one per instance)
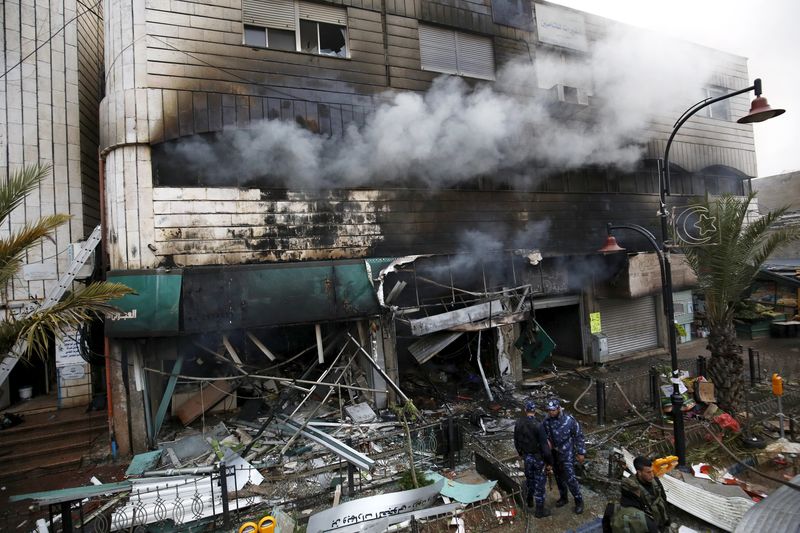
(320, 450)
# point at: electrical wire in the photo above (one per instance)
(226, 71)
(53, 36)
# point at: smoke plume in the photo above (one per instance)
(456, 132)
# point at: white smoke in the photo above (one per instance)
(455, 132)
(480, 248)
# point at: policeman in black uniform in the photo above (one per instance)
(531, 443)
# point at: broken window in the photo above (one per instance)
(296, 26)
(719, 110)
(324, 39)
(456, 52)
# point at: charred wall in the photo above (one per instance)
(205, 226)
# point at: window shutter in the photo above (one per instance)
(437, 49)
(475, 56)
(323, 13)
(278, 14)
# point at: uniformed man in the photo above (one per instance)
(642, 493)
(531, 444)
(568, 444)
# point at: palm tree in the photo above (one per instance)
(725, 269)
(71, 311)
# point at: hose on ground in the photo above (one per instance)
(578, 399)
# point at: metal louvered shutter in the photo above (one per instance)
(630, 325)
(475, 56)
(437, 49)
(278, 14)
(323, 13)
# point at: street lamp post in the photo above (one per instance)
(759, 112)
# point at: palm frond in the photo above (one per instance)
(20, 184)
(727, 268)
(73, 310)
(14, 247)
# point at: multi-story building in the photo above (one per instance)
(269, 167)
(51, 84)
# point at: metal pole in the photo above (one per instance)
(450, 442)
(664, 186)
(601, 401)
(758, 363)
(351, 486)
(480, 368)
(780, 415)
(662, 251)
(383, 374)
(701, 365)
(66, 517)
(223, 486)
(655, 396)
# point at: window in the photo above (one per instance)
(720, 110)
(269, 38)
(455, 52)
(295, 25)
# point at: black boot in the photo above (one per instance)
(562, 501)
(529, 500)
(541, 512)
(579, 506)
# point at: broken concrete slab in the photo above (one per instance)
(193, 446)
(361, 413)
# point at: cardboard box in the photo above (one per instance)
(704, 392)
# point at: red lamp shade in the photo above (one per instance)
(611, 246)
(760, 111)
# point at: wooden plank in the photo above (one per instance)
(204, 400)
(260, 346)
(231, 351)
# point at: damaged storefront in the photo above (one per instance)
(441, 326)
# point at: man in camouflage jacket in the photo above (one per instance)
(568, 445)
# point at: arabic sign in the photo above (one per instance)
(561, 27)
(152, 310)
(594, 323)
(39, 271)
(72, 371)
(374, 508)
(68, 351)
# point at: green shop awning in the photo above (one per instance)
(247, 296)
(199, 299)
(153, 310)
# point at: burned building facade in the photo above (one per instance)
(280, 175)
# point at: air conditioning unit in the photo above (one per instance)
(86, 270)
(570, 95)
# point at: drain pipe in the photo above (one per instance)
(103, 270)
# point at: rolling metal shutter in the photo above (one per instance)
(323, 13)
(455, 52)
(475, 56)
(278, 14)
(630, 325)
(437, 49)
